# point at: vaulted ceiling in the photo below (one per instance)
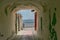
(10, 5)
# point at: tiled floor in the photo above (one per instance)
(26, 34)
(26, 31)
(24, 37)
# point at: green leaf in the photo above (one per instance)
(54, 19)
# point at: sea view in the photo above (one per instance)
(28, 23)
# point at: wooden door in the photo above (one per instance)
(35, 20)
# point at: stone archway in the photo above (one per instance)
(28, 7)
(9, 9)
(37, 8)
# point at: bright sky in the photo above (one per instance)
(27, 14)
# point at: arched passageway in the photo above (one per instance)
(45, 11)
(10, 10)
(34, 33)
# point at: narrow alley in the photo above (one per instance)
(44, 18)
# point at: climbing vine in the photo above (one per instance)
(53, 34)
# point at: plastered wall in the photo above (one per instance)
(7, 24)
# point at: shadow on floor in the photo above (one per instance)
(24, 37)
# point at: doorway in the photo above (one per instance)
(26, 22)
